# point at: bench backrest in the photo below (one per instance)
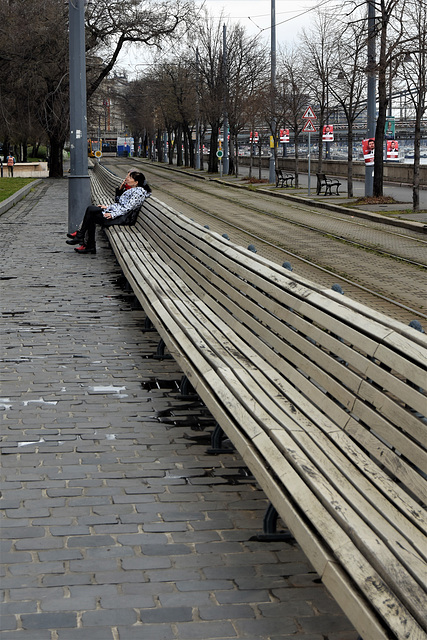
(365, 377)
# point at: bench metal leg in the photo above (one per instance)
(148, 325)
(160, 353)
(217, 438)
(269, 527)
(186, 390)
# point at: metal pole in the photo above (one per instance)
(328, 144)
(272, 169)
(197, 113)
(79, 196)
(309, 158)
(224, 62)
(371, 103)
(165, 147)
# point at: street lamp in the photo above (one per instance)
(272, 169)
(79, 196)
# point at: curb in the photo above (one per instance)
(19, 195)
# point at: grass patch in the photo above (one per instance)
(254, 180)
(376, 200)
(9, 186)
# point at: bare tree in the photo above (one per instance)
(34, 48)
(348, 84)
(247, 64)
(292, 78)
(111, 24)
(39, 69)
(319, 52)
(209, 44)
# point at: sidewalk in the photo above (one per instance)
(117, 525)
(401, 194)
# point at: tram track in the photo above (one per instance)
(319, 250)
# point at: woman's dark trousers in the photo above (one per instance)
(92, 217)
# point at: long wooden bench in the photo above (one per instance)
(323, 398)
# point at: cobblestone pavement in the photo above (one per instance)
(117, 523)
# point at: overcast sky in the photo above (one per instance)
(254, 15)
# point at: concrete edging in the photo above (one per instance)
(19, 195)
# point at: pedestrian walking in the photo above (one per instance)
(10, 160)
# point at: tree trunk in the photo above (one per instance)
(213, 160)
(320, 159)
(296, 159)
(178, 144)
(56, 158)
(382, 113)
(417, 140)
(350, 161)
(170, 147)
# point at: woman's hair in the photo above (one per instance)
(142, 182)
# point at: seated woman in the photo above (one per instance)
(121, 212)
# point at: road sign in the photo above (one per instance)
(219, 153)
(98, 154)
(309, 127)
(309, 113)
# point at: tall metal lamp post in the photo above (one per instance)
(371, 102)
(79, 182)
(272, 168)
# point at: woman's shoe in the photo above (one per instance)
(77, 237)
(84, 249)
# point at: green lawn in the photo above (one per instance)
(9, 186)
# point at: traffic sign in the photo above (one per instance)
(98, 154)
(219, 153)
(309, 113)
(309, 127)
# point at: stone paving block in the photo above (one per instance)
(221, 630)
(107, 617)
(283, 627)
(8, 623)
(241, 596)
(163, 615)
(150, 562)
(226, 612)
(48, 620)
(100, 633)
(65, 579)
(23, 634)
(91, 541)
(205, 585)
(18, 532)
(17, 608)
(151, 632)
(78, 603)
